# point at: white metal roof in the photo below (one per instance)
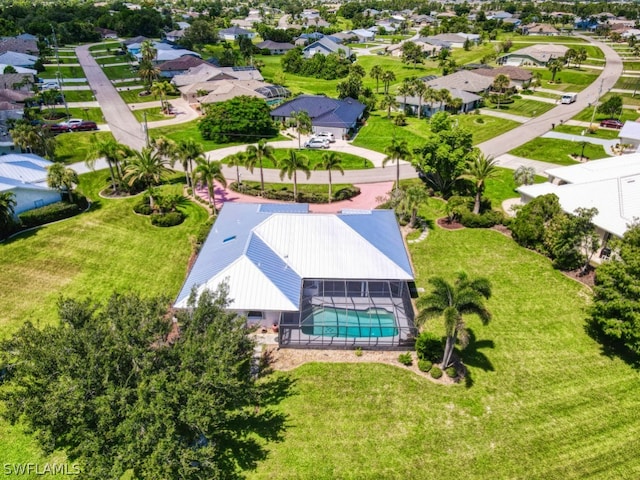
(630, 130)
(612, 167)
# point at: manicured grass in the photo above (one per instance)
(187, 130)
(349, 162)
(586, 114)
(485, 127)
(67, 72)
(542, 401)
(567, 80)
(502, 186)
(628, 83)
(604, 133)
(79, 96)
(64, 59)
(120, 71)
(556, 151)
(627, 98)
(106, 59)
(538, 93)
(133, 96)
(523, 106)
(107, 249)
(153, 114)
(633, 66)
(105, 46)
(75, 147)
(93, 114)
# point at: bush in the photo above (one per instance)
(451, 372)
(167, 219)
(143, 209)
(286, 195)
(436, 372)
(429, 347)
(424, 365)
(484, 220)
(358, 351)
(203, 231)
(405, 358)
(49, 213)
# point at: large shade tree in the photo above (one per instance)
(127, 393)
(290, 165)
(452, 301)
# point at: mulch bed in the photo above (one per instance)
(587, 279)
(447, 225)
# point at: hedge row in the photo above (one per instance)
(303, 197)
(50, 213)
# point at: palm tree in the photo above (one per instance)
(581, 55)
(189, 151)
(113, 152)
(262, 150)
(452, 302)
(149, 168)
(148, 73)
(7, 209)
(419, 90)
(398, 150)
(376, 73)
(430, 96)
(554, 67)
(406, 90)
(479, 170)
(302, 124)
(237, 160)
(290, 165)
(444, 97)
(166, 148)
(537, 80)
(524, 175)
(209, 172)
(500, 84)
(148, 51)
(162, 89)
(34, 139)
(388, 102)
(387, 77)
(412, 199)
(62, 179)
(330, 161)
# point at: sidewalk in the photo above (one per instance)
(504, 115)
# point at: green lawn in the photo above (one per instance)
(538, 93)
(64, 59)
(502, 186)
(556, 151)
(604, 133)
(628, 83)
(120, 72)
(523, 106)
(349, 162)
(633, 66)
(105, 46)
(107, 249)
(568, 79)
(133, 96)
(586, 114)
(74, 147)
(183, 131)
(543, 401)
(379, 131)
(79, 96)
(93, 114)
(104, 59)
(153, 114)
(627, 98)
(67, 72)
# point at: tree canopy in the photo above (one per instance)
(239, 119)
(120, 387)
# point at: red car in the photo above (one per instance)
(56, 128)
(611, 123)
(84, 127)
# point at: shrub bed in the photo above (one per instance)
(484, 220)
(286, 195)
(170, 219)
(51, 213)
(424, 365)
(428, 347)
(405, 359)
(143, 208)
(451, 372)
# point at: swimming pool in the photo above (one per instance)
(338, 322)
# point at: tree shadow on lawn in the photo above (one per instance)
(609, 348)
(473, 357)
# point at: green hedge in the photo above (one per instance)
(484, 220)
(50, 213)
(170, 219)
(286, 195)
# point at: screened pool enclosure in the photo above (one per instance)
(350, 313)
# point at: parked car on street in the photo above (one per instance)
(83, 127)
(611, 123)
(56, 128)
(317, 143)
(326, 135)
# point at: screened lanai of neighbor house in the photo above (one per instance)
(325, 280)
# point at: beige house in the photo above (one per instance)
(518, 77)
(535, 55)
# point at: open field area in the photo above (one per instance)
(120, 72)
(542, 401)
(558, 151)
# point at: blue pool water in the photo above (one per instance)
(332, 322)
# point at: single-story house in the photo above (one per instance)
(21, 82)
(164, 51)
(320, 280)
(465, 80)
(221, 90)
(174, 36)
(24, 43)
(20, 70)
(25, 175)
(499, 15)
(630, 134)
(454, 40)
(612, 185)
(535, 55)
(519, 77)
(233, 33)
(325, 46)
(429, 49)
(470, 101)
(106, 33)
(385, 26)
(362, 35)
(307, 38)
(512, 21)
(209, 73)
(543, 29)
(138, 39)
(179, 66)
(16, 59)
(339, 117)
(275, 48)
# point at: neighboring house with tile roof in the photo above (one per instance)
(17, 81)
(541, 29)
(518, 77)
(332, 280)
(179, 66)
(465, 80)
(174, 36)
(25, 175)
(537, 55)
(208, 73)
(340, 117)
(470, 101)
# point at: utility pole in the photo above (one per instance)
(145, 127)
(59, 73)
(595, 104)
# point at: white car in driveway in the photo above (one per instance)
(326, 135)
(317, 143)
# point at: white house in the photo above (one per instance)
(630, 134)
(325, 46)
(233, 33)
(25, 175)
(612, 185)
(331, 280)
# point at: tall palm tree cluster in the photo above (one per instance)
(414, 87)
